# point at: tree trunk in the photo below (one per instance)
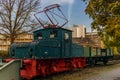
(12, 39)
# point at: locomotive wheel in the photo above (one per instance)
(48, 70)
(105, 61)
(23, 79)
(92, 62)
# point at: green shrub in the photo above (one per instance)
(116, 57)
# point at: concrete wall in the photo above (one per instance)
(10, 71)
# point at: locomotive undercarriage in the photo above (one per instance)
(42, 67)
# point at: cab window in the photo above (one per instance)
(39, 36)
(53, 34)
(66, 36)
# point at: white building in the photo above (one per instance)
(78, 31)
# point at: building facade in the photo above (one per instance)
(90, 39)
(78, 31)
(5, 43)
(95, 39)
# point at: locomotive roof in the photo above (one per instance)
(52, 28)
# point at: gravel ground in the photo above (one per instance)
(99, 72)
(108, 75)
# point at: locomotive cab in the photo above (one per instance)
(53, 43)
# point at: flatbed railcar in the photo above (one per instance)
(53, 51)
(96, 54)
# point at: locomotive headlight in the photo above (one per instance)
(59, 45)
(46, 52)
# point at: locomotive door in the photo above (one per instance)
(67, 45)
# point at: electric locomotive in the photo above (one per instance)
(51, 51)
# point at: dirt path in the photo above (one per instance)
(108, 75)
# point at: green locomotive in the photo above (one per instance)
(52, 50)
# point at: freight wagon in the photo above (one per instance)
(95, 54)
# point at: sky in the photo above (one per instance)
(74, 10)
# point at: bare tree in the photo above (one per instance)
(16, 17)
